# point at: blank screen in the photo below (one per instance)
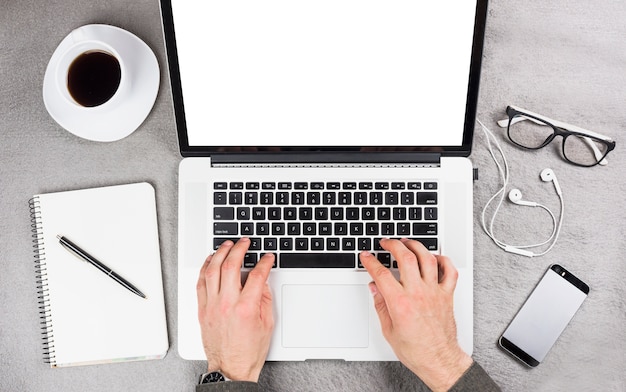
(325, 73)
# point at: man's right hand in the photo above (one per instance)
(416, 313)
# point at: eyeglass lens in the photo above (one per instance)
(533, 134)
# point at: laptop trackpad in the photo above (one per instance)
(325, 316)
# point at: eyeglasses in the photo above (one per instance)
(580, 147)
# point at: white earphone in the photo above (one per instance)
(515, 196)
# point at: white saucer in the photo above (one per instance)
(118, 121)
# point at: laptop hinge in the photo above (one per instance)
(330, 159)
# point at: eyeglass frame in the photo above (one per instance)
(560, 129)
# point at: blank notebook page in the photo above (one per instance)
(90, 317)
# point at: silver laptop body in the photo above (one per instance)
(298, 131)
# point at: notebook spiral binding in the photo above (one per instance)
(41, 279)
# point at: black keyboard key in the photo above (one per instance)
(243, 213)
(348, 243)
(220, 185)
(415, 213)
(284, 185)
(329, 198)
(333, 185)
(386, 229)
(399, 213)
(332, 243)
(381, 185)
(262, 229)
(293, 228)
(282, 198)
(219, 198)
(267, 198)
(236, 185)
(223, 213)
(426, 197)
(317, 185)
(325, 228)
(407, 198)
(278, 229)
(217, 241)
(235, 198)
(384, 213)
(414, 185)
(376, 198)
(397, 185)
(250, 260)
(341, 229)
(391, 198)
(364, 243)
(344, 198)
(429, 243)
(258, 213)
(371, 229)
(305, 213)
(404, 229)
(317, 243)
(301, 185)
(352, 213)
(349, 185)
(297, 198)
(430, 213)
(356, 229)
(321, 213)
(286, 243)
(302, 244)
(336, 213)
(317, 260)
(274, 213)
(313, 198)
(270, 243)
(290, 213)
(268, 185)
(430, 185)
(366, 185)
(360, 198)
(225, 228)
(255, 243)
(424, 229)
(368, 213)
(252, 185)
(251, 198)
(309, 228)
(247, 229)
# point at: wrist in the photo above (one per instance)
(442, 374)
(231, 374)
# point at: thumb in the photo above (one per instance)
(381, 309)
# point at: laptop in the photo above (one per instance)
(316, 129)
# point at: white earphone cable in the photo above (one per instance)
(503, 170)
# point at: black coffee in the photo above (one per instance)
(93, 78)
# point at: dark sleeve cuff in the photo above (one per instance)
(229, 386)
(475, 379)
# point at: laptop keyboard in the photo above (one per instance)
(323, 224)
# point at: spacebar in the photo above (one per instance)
(316, 260)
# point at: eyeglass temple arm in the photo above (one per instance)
(505, 122)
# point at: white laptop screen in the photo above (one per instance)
(324, 72)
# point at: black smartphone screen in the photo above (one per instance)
(544, 315)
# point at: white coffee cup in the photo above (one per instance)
(87, 45)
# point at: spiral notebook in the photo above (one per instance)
(87, 317)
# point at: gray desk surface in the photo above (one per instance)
(565, 59)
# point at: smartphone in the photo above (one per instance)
(544, 315)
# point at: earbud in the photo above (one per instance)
(516, 197)
(548, 175)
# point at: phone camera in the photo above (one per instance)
(558, 270)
